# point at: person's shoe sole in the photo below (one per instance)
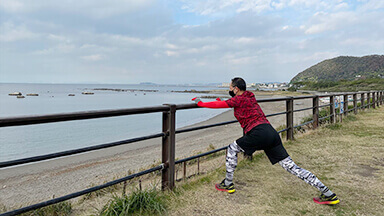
(318, 201)
(226, 190)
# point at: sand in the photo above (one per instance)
(36, 182)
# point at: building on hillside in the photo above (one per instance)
(249, 85)
(225, 85)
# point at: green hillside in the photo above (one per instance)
(343, 68)
(343, 73)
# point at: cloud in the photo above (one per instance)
(372, 5)
(58, 38)
(219, 7)
(255, 5)
(11, 5)
(92, 8)
(96, 57)
(12, 33)
(343, 21)
(171, 53)
(262, 40)
(215, 7)
(61, 48)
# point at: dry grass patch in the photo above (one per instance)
(349, 158)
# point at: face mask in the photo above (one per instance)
(232, 93)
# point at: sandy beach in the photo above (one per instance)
(36, 182)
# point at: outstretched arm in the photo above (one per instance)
(212, 104)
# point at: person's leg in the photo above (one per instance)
(305, 175)
(231, 161)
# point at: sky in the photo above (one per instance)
(180, 41)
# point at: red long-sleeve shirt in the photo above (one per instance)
(246, 110)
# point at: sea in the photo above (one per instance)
(18, 142)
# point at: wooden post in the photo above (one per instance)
(362, 99)
(315, 111)
(345, 104)
(378, 99)
(168, 148)
(198, 166)
(332, 109)
(373, 100)
(289, 118)
(355, 103)
(369, 100)
(124, 187)
(185, 171)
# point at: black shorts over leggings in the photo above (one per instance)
(263, 137)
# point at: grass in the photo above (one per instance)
(59, 209)
(139, 202)
(323, 112)
(347, 157)
(101, 192)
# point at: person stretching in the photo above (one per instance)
(259, 135)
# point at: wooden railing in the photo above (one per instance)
(368, 100)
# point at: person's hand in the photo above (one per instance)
(218, 99)
(196, 100)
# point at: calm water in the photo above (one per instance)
(26, 141)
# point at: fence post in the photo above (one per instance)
(355, 103)
(315, 105)
(168, 148)
(381, 98)
(369, 100)
(332, 109)
(345, 104)
(373, 100)
(289, 118)
(377, 98)
(362, 99)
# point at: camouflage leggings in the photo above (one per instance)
(287, 164)
(231, 161)
(303, 174)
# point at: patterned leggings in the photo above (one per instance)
(231, 161)
(287, 164)
(303, 174)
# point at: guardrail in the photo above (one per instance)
(372, 99)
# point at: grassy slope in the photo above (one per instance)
(349, 159)
(345, 86)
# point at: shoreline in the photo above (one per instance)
(36, 182)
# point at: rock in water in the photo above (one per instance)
(15, 94)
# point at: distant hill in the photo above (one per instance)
(343, 68)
